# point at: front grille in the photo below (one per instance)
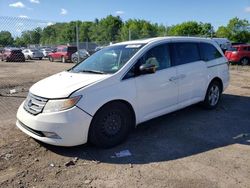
(34, 104)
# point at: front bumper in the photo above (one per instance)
(71, 126)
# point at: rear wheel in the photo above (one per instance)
(40, 58)
(244, 61)
(75, 60)
(111, 125)
(213, 95)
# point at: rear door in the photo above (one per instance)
(191, 72)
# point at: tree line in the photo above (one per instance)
(113, 29)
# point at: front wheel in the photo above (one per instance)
(51, 59)
(111, 125)
(63, 59)
(213, 95)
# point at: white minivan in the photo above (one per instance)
(101, 99)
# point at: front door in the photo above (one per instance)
(157, 93)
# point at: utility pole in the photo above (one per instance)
(77, 43)
(129, 34)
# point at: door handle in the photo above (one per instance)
(182, 76)
(173, 78)
(177, 77)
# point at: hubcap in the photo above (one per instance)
(111, 124)
(214, 95)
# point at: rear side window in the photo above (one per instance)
(185, 52)
(209, 52)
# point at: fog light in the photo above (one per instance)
(51, 135)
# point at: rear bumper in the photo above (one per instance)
(71, 126)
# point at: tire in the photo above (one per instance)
(40, 58)
(213, 95)
(51, 59)
(29, 58)
(244, 61)
(75, 60)
(111, 125)
(63, 59)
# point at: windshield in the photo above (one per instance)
(108, 60)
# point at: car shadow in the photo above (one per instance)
(186, 132)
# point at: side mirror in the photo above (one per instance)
(147, 69)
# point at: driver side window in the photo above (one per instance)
(158, 56)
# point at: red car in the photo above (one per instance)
(239, 54)
(62, 53)
(12, 54)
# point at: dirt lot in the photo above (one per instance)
(189, 148)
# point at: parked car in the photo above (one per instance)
(239, 54)
(1, 52)
(101, 99)
(62, 53)
(83, 54)
(32, 54)
(46, 52)
(12, 54)
(224, 43)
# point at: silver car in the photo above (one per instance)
(83, 54)
(32, 54)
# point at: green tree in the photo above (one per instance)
(223, 32)
(107, 29)
(138, 29)
(6, 39)
(190, 28)
(207, 30)
(237, 30)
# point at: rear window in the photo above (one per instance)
(209, 52)
(72, 49)
(233, 49)
(185, 52)
(16, 51)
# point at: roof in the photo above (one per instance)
(241, 45)
(158, 39)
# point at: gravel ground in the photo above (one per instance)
(192, 147)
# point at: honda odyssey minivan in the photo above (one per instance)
(102, 98)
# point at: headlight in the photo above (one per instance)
(61, 104)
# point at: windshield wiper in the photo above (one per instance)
(93, 71)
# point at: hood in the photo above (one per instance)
(61, 85)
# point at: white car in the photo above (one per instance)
(32, 54)
(46, 52)
(101, 99)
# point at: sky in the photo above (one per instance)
(166, 12)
